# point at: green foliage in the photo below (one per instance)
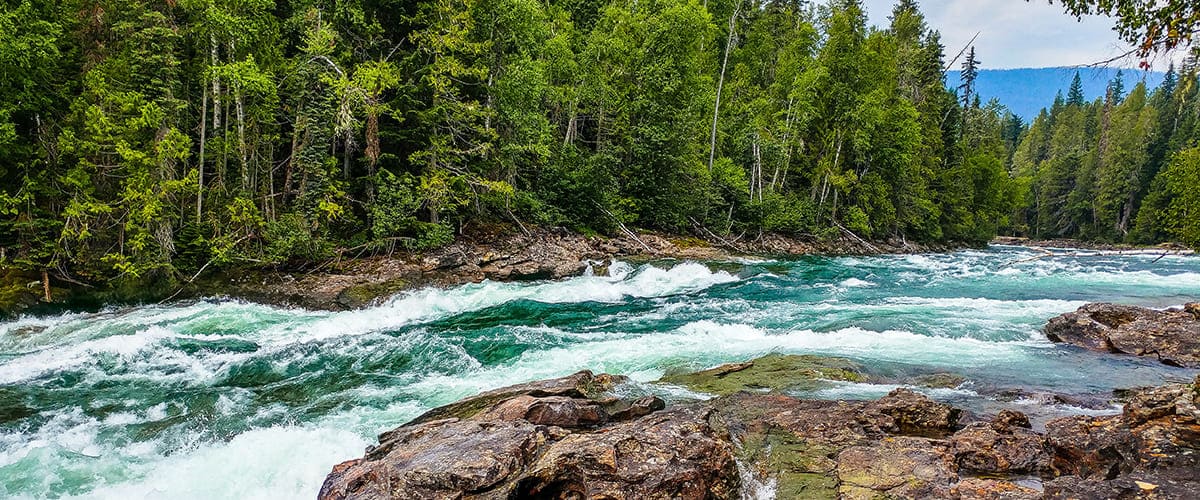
(143, 140)
(1099, 170)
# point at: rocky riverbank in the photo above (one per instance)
(353, 281)
(600, 436)
(593, 436)
(1172, 248)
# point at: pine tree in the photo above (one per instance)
(1075, 94)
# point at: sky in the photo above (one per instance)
(1016, 33)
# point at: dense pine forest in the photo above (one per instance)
(1124, 168)
(145, 140)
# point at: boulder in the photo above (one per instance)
(770, 373)
(583, 384)
(1171, 336)
(899, 467)
(558, 411)
(916, 414)
(439, 459)
(669, 454)
(1089, 447)
(1003, 446)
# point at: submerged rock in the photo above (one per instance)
(770, 373)
(1171, 336)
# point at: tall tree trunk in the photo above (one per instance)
(200, 167)
(712, 141)
(216, 92)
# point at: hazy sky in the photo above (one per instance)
(1016, 33)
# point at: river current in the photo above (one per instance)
(228, 399)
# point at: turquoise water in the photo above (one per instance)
(227, 399)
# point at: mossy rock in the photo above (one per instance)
(801, 469)
(17, 293)
(771, 373)
(362, 295)
(939, 380)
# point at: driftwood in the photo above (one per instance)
(856, 238)
(731, 245)
(624, 229)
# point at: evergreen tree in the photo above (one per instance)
(1075, 94)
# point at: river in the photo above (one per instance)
(229, 399)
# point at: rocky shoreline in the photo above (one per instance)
(355, 281)
(600, 436)
(1060, 243)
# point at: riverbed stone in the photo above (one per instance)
(1003, 446)
(1172, 336)
(897, 467)
(770, 373)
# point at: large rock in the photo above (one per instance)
(1171, 336)
(670, 454)
(581, 385)
(1089, 447)
(773, 372)
(440, 459)
(1003, 446)
(901, 467)
(546, 439)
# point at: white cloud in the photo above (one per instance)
(1016, 33)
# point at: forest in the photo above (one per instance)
(142, 141)
(1124, 168)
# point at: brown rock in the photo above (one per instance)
(900, 467)
(1171, 336)
(552, 410)
(1148, 404)
(670, 454)
(1006, 445)
(916, 414)
(638, 408)
(1145, 486)
(1089, 447)
(439, 459)
(974, 488)
(579, 385)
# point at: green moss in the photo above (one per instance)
(18, 292)
(801, 469)
(361, 295)
(939, 380)
(774, 372)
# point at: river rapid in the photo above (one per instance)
(228, 399)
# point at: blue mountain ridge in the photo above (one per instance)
(1026, 91)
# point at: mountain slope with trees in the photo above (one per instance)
(1124, 168)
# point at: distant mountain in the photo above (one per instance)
(1026, 91)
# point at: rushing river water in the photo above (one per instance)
(227, 399)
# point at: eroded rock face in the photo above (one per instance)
(1171, 336)
(1003, 446)
(669, 454)
(568, 438)
(546, 439)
